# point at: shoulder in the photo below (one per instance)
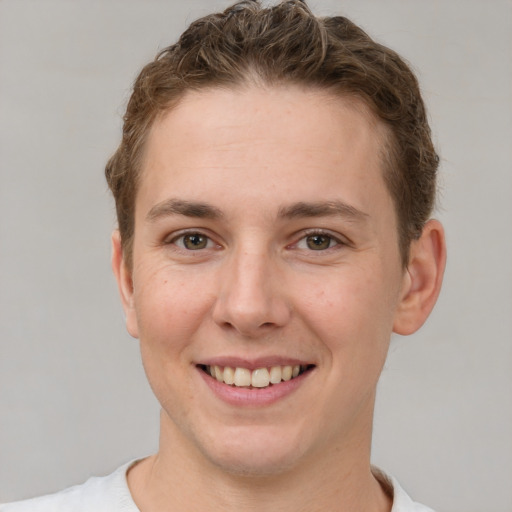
(99, 494)
(401, 500)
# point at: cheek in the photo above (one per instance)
(170, 308)
(170, 311)
(352, 311)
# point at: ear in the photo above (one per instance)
(125, 284)
(422, 279)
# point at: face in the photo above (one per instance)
(265, 245)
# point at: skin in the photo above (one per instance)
(260, 288)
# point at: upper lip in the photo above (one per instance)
(253, 364)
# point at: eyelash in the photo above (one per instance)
(318, 233)
(210, 244)
(333, 241)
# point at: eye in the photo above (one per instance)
(317, 242)
(193, 241)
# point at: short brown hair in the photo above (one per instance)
(286, 44)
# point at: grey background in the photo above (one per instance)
(73, 397)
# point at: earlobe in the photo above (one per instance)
(124, 283)
(423, 279)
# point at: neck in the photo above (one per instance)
(340, 480)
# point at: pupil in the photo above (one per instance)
(195, 242)
(316, 242)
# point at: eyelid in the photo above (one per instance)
(176, 235)
(171, 238)
(337, 238)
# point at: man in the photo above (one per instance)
(273, 188)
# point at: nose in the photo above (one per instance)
(251, 298)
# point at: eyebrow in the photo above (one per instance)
(322, 209)
(185, 208)
(297, 210)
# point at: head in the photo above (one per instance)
(270, 185)
(286, 45)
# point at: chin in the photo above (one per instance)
(254, 465)
(257, 456)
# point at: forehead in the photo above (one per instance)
(249, 107)
(286, 138)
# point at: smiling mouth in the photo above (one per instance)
(258, 378)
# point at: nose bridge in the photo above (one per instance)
(250, 299)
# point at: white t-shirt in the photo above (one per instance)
(111, 494)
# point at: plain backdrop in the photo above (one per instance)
(73, 397)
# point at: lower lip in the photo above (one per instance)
(253, 397)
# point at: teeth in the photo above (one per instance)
(219, 374)
(229, 375)
(259, 378)
(275, 374)
(242, 377)
(287, 373)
